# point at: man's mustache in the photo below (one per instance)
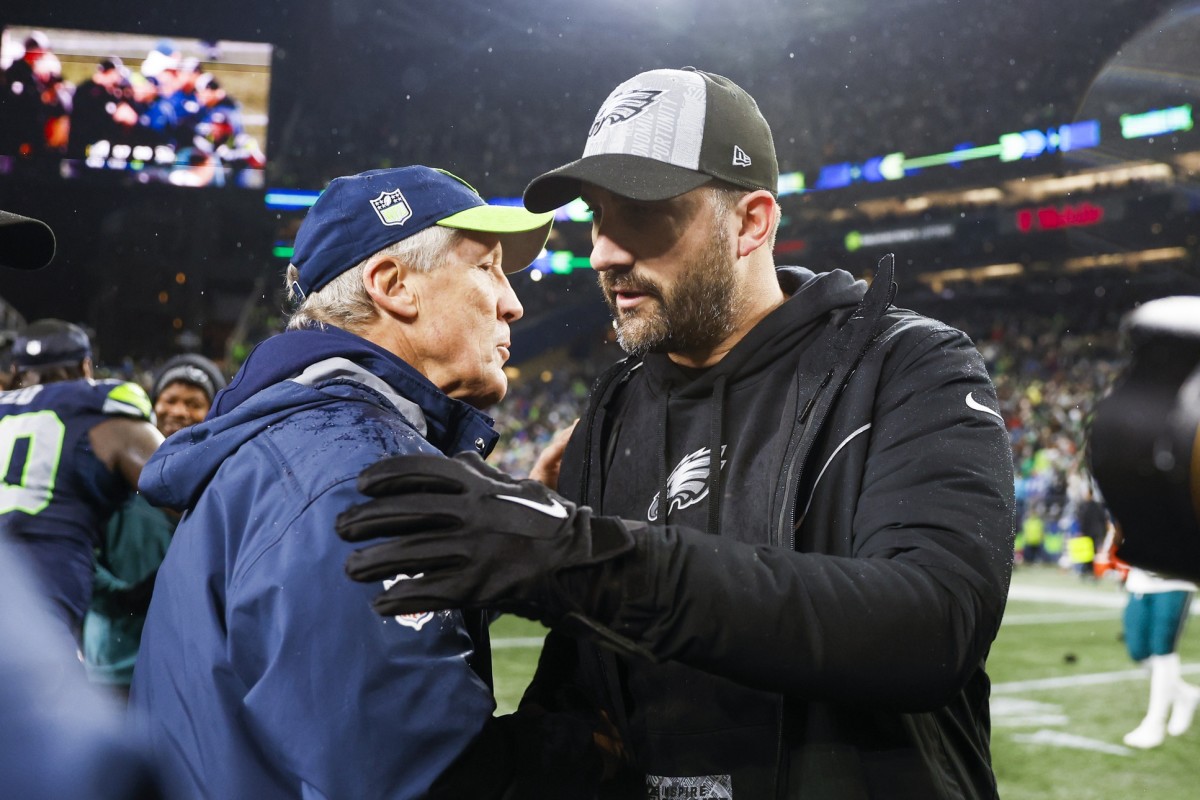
(611, 286)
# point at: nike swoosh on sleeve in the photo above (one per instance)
(551, 509)
(975, 404)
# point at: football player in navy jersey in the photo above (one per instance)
(71, 448)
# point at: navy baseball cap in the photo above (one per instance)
(663, 133)
(359, 215)
(25, 243)
(50, 343)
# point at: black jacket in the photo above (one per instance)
(819, 630)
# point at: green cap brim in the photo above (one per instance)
(522, 233)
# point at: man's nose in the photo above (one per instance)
(608, 254)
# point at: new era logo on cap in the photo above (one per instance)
(740, 159)
(392, 208)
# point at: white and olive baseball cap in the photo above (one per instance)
(666, 132)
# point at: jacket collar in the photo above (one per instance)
(321, 353)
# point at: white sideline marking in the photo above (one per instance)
(1051, 618)
(517, 641)
(1067, 597)
(1028, 722)
(1060, 739)
(1095, 598)
(1068, 681)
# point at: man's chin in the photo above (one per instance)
(636, 337)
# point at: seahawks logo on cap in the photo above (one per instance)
(392, 208)
(624, 107)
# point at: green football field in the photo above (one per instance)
(1064, 692)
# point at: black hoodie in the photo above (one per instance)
(817, 626)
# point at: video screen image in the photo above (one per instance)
(133, 107)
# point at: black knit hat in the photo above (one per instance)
(663, 133)
(191, 369)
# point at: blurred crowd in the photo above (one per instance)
(169, 119)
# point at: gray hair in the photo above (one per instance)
(344, 302)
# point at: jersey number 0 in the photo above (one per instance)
(30, 451)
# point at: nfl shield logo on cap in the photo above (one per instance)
(392, 208)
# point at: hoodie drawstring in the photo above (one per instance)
(715, 454)
(664, 499)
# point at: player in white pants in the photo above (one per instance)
(1154, 619)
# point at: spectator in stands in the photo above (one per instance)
(6, 343)
(95, 101)
(21, 100)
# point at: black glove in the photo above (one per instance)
(470, 536)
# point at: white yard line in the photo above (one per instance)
(1061, 739)
(1069, 681)
(517, 641)
(1093, 598)
(1065, 616)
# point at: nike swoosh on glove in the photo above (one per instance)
(471, 536)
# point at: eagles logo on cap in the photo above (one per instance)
(623, 107)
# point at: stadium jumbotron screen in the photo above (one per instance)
(148, 109)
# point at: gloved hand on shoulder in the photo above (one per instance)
(470, 536)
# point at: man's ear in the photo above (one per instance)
(392, 287)
(757, 212)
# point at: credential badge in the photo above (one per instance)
(392, 208)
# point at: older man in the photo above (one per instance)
(263, 671)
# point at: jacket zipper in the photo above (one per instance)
(791, 486)
(795, 468)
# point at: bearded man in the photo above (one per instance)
(783, 542)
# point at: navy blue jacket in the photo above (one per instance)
(264, 672)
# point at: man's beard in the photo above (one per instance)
(697, 315)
